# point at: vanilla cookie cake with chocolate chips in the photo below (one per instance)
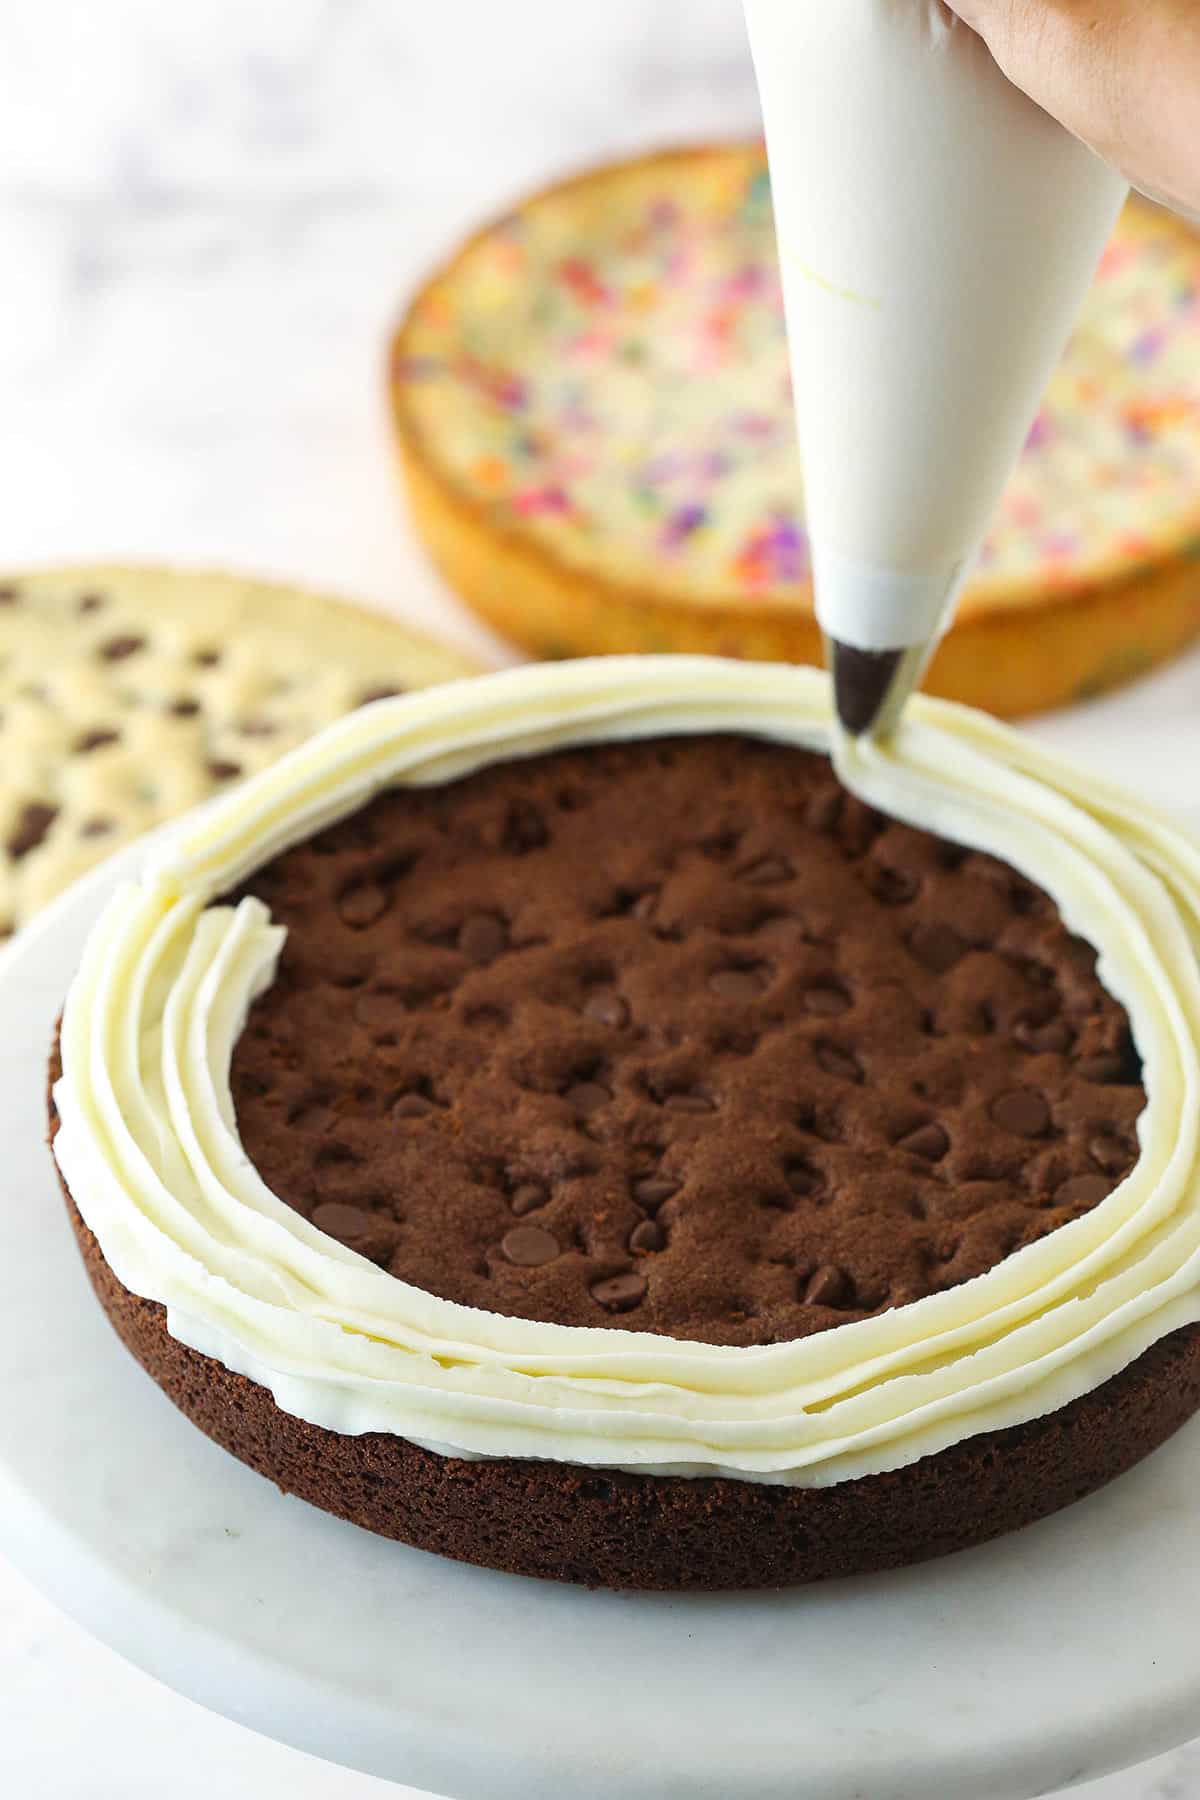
(130, 693)
(571, 1124)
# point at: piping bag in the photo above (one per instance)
(937, 234)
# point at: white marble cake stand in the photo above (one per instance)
(1051, 1656)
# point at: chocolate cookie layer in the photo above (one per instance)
(678, 1036)
(668, 1532)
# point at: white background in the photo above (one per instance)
(208, 217)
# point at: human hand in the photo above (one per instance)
(1123, 75)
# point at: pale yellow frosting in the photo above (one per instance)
(150, 1151)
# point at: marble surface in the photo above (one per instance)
(208, 216)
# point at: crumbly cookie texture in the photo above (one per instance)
(129, 694)
(676, 1035)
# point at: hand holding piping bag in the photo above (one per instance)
(938, 231)
(1123, 75)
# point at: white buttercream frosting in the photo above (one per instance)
(149, 1148)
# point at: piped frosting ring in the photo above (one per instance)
(149, 1148)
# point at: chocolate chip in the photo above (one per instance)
(652, 1190)
(619, 1293)
(528, 1246)
(528, 1198)
(928, 1141)
(774, 1200)
(587, 1097)
(524, 828)
(413, 1106)
(8, 596)
(208, 658)
(184, 708)
(1022, 1111)
(369, 695)
(342, 1221)
(826, 1000)
(482, 937)
(937, 945)
(1083, 1190)
(688, 1102)
(829, 1286)
(360, 905)
(118, 648)
(825, 809)
(1048, 1037)
(649, 1235)
(311, 1113)
(334, 1157)
(33, 822)
(838, 1062)
(801, 1177)
(372, 1235)
(94, 740)
(858, 826)
(721, 845)
(96, 827)
(221, 769)
(737, 984)
(1110, 1153)
(89, 603)
(606, 1008)
(891, 886)
(768, 871)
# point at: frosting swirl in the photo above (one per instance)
(149, 1148)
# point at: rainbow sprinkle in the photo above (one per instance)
(609, 366)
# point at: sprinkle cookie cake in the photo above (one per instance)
(566, 1122)
(594, 415)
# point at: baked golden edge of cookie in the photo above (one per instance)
(1009, 653)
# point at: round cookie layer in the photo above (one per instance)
(345, 1345)
(676, 1035)
(664, 1532)
(129, 694)
(592, 404)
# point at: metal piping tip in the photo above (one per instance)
(870, 687)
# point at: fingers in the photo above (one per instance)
(1121, 74)
(1051, 48)
(1066, 54)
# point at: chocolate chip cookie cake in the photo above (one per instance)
(566, 1121)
